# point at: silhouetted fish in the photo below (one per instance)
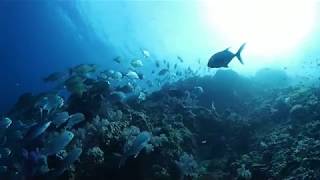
(53, 77)
(117, 59)
(163, 72)
(180, 59)
(223, 58)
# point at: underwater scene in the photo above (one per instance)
(160, 90)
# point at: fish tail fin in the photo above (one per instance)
(238, 54)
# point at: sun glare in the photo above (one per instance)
(270, 27)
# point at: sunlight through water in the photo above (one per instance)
(270, 27)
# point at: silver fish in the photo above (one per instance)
(117, 75)
(37, 130)
(82, 69)
(5, 123)
(5, 152)
(145, 53)
(58, 143)
(163, 72)
(71, 157)
(59, 118)
(117, 96)
(75, 119)
(223, 58)
(198, 90)
(136, 63)
(132, 75)
(134, 148)
(127, 88)
(67, 161)
(50, 102)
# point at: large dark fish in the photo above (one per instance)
(223, 58)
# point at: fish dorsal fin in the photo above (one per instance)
(227, 49)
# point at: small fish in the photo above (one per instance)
(50, 102)
(103, 76)
(37, 130)
(75, 119)
(213, 107)
(109, 72)
(145, 53)
(76, 85)
(59, 118)
(5, 123)
(223, 58)
(58, 143)
(137, 97)
(53, 77)
(141, 76)
(164, 61)
(142, 96)
(134, 148)
(132, 75)
(180, 59)
(67, 161)
(72, 156)
(5, 152)
(117, 75)
(163, 72)
(117, 59)
(117, 96)
(157, 64)
(175, 66)
(204, 142)
(18, 125)
(83, 69)
(136, 63)
(198, 90)
(128, 88)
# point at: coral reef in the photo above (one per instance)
(186, 130)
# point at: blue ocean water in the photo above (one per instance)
(35, 42)
(40, 37)
(138, 98)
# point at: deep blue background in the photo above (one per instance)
(35, 41)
